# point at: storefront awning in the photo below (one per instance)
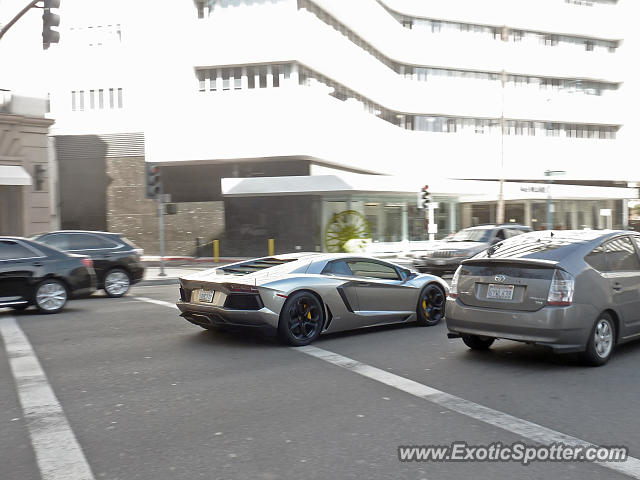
(460, 190)
(14, 175)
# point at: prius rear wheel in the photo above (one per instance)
(431, 305)
(301, 319)
(476, 342)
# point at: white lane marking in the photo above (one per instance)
(524, 428)
(58, 453)
(162, 303)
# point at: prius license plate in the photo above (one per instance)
(500, 292)
(205, 296)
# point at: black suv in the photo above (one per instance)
(445, 255)
(115, 259)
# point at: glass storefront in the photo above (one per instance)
(388, 219)
(398, 219)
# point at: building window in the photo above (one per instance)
(73, 100)
(92, 99)
(225, 79)
(588, 46)
(201, 80)
(251, 77)
(100, 99)
(111, 99)
(81, 100)
(119, 98)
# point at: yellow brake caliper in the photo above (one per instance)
(424, 308)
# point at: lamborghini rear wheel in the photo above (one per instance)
(301, 319)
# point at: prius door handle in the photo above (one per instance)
(617, 287)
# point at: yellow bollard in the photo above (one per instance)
(272, 248)
(216, 250)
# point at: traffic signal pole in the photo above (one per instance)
(160, 201)
(155, 190)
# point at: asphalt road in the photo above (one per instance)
(150, 396)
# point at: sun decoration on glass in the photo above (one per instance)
(343, 227)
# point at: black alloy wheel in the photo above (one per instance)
(301, 319)
(431, 305)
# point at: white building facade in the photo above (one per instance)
(448, 89)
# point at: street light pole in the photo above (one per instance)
(504, 36)
(549, 174)
(500, 209)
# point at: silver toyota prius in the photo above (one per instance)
(572, 290)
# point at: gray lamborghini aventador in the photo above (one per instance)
(303, 295)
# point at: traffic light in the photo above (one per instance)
(49, 20)
(154, 182)
(425, 197)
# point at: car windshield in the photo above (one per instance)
(471, 235)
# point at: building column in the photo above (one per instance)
(625, 214)
(574, 215)
(405, 222)
(452, 217)
(244, 80)
(295, 75)
(527, 213)
(382, 222)
(465, 210)
(218, 79)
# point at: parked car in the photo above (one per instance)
(35, 274)
(445, 255)
(303, 295)
(115, 259)
(572, 290)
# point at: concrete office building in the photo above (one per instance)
(360, 103)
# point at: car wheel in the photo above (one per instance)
(301, 319)
(476, 342)
(601, 341)
(431, 305)
(50, 296)
(116, 282)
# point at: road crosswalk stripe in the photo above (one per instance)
(57, 450)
